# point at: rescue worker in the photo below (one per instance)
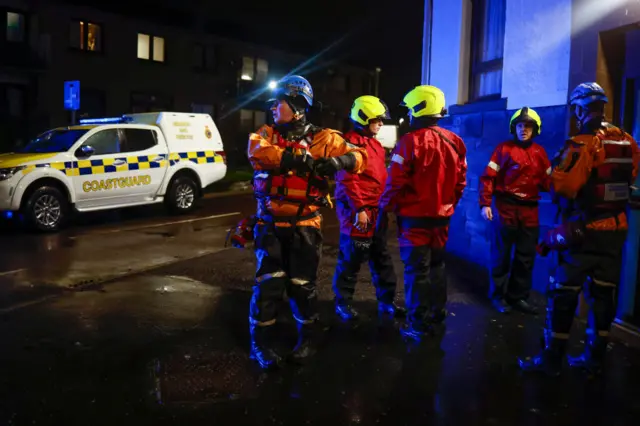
(591, 180)
(518, 170)
(427, 176)
(291, 160)
(358, 197)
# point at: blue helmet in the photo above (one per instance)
(293, 86)
(586, 93)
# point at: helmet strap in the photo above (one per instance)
(362, 130)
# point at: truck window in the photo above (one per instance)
(104, 142)
(54, 141)
(137, 140)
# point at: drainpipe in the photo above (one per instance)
(426, 41)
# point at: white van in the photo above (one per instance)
(111, 163)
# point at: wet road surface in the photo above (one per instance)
(169, 345)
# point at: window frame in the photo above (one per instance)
(254, 75)
(206, 48)
(152, 37)
(476, 67)
(77, 21)
(25, 15)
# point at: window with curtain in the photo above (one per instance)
(487, 48)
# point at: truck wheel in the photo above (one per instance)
(181, 196)
(46, 209)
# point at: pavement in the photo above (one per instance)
(138, 318)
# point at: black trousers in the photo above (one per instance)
(287, 260)
(354, 251)
(512, 276)
(425, 283)
(596, 266)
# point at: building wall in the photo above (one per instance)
(536, 53)
(550, 46)
(535, 73)
(117, 73)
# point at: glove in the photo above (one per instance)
(543, 249)
(302, 163)
(329, 166)
(242, 233)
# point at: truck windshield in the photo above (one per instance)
(53, 141)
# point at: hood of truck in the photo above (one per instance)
(10, 160)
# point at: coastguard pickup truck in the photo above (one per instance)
(110, 163)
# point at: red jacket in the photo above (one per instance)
(355, 192)
(427, 174)
(516, 172)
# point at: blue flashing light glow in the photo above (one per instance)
(106, 120)
(8, 215)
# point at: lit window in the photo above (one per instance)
(262, 70)
(487, 48)
(15, 27)
(247, 69)
(86, 36)
(150, 47)
(158, 49)
(143, 46)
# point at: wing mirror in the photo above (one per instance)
(85, 151)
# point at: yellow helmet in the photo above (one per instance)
(367, 108)
(425, 101)
(526, 114)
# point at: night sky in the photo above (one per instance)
(378, 33)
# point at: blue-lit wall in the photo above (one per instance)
(536, 62)
(482, 131)
(550, 46)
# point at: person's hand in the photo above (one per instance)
(362, 221)
(487, 214)
(329, 166)
(302, 163)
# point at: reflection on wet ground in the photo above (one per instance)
(170, 347)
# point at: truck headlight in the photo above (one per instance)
(9, 172)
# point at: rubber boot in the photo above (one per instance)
(305, 347)
(346, 311)
(416, 331)
(392, 309)
(549, 361)
(592, 359)
(260, 350)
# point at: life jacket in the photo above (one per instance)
(608, 188)
(291, 185)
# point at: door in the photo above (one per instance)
(127, 167)
(629, 290)
(147, 159)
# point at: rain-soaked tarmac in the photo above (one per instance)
(144, 345)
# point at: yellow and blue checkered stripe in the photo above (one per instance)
(122, 164)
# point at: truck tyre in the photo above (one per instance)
(46, 209)
(182, 195)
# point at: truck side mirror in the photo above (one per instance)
(85, 151)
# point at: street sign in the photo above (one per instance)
(72, 95)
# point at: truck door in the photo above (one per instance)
(147, 158)
(103, 175)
